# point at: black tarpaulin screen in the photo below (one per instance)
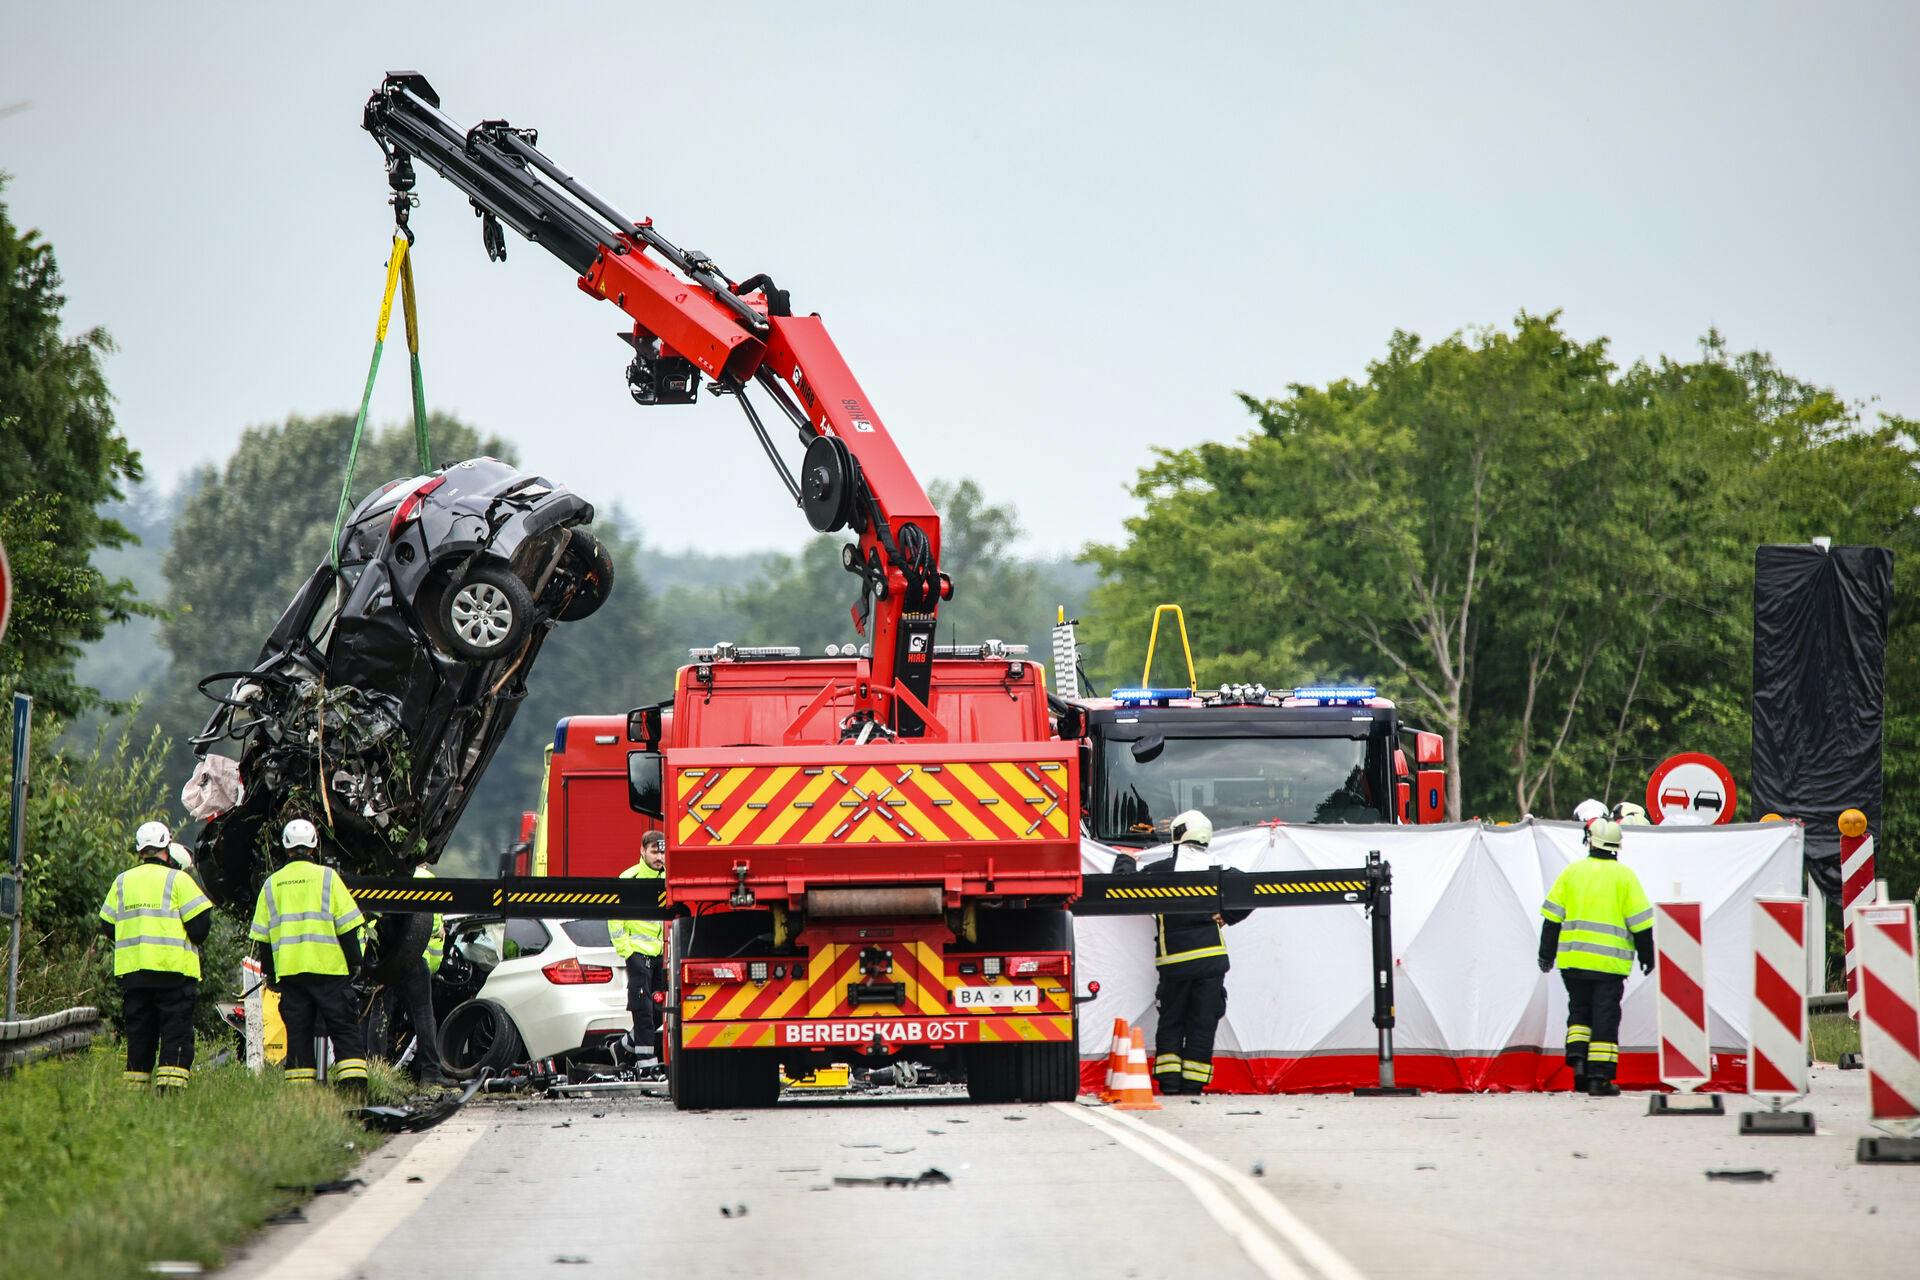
(1819, 689)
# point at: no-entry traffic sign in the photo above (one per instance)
(1691, 789)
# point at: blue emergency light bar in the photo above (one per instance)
(1336, 694)
(1149, 697)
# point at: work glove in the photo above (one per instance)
(1546, 964)
(1646, 967)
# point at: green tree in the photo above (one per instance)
(61, 458)
(1545, 557)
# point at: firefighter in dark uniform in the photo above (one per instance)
(1597, 922)
(1190, 952)
(157, 918)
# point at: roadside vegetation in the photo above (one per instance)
(1832, 1034)
(100, 1181)
(1540, 553)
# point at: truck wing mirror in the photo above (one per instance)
(643, 728)
(1429, 748)
(1070, 722)
(1148, 749)
(644, 789)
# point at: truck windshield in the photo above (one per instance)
(1236, 782)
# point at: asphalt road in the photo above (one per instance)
(1328, 1188)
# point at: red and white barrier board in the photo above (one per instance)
(1890, 1015)
(1777, 1055)
(1856, 891)
(1680, 972)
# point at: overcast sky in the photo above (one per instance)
(1047, 236)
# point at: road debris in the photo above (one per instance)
(321, 1188)
(1741, 1175)
(1259, 1169)
(571, 1259)
(169, 1268)
(737, 1211)
(286, 1217)
(1254, 1112)
(929, 1178)
(412, 1118)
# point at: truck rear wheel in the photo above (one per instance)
(1024, 1072)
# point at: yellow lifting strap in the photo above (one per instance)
(400, 276)
(1146, 672)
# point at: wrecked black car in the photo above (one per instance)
(386, 685)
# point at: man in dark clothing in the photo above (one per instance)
(156, 918)
(1190, 951)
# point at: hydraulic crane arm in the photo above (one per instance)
(690, 318)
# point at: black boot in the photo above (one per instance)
(1599, 1087)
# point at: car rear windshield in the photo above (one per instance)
(588, 933)
(526, 938)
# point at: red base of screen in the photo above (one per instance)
(1518, 1072)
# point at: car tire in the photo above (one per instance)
(485, 613)
(479, 1036)
(588, 567)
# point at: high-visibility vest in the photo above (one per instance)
(1599, 905)
(302, 911)
(148, 907)
(437, 938)
(638, 937)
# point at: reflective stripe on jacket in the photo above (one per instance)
(638, 937)
(437, 938)
(148, 907)
(1599, 905)
(302, 911)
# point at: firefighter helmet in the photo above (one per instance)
(300, 834)
(1192, 827)
(152, 836)
(1629, 814)
(1603, 835)
(1587, 810)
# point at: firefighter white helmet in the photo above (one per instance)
(1587, 810)
(300, 834)
(1192, 827)
(1603, 834)
(152, 835)
(1629, 814)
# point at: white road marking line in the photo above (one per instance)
(1308, 1243)
(352, 1236)
(1271, 1260)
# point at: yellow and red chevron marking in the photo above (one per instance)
(832, 967)
(728, 1035)
(851, 1033)
(764, 804)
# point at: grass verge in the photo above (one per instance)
(99, 1180)
(1831, 1035)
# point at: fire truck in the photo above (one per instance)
(872, 854)
(1244, 754)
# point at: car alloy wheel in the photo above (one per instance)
(485, 614)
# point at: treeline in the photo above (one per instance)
(1543, 555)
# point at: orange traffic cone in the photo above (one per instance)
(1116, 1061)
(1136, 1087)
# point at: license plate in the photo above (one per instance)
(994, 997)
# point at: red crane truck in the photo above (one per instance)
(871, 855)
